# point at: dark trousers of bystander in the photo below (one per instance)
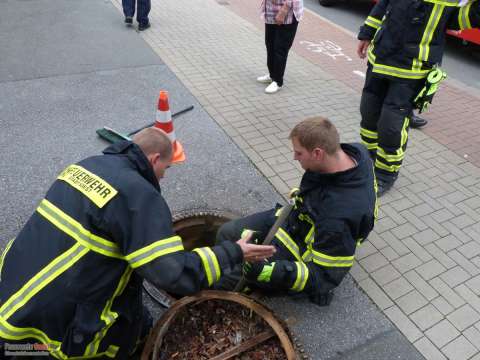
(143, 9)
(279, 40)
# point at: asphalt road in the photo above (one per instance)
(461, 62)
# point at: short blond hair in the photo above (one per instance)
(152, 140)
(317, 132)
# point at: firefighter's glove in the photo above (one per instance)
(425, 96)
(258, 272)
(253, 239)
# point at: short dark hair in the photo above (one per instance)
(317, 132)
(152, 140)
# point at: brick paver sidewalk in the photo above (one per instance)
(421, 265)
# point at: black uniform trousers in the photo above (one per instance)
(386, 107)
(279, 40)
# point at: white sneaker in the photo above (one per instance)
(272, 88)
(265, 79)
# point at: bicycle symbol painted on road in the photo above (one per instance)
(326, 47)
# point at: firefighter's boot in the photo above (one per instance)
(417, 122)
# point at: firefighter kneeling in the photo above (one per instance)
(334, 210)
(72, 277)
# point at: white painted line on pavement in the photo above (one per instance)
(359, 73)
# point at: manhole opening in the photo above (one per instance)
(199, 228)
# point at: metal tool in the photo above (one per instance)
(286, 210)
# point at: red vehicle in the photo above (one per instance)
(470, 35)
(467, 36)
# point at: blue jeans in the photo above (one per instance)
(143, 8)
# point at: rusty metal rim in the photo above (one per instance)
(158, 332)
(194, 214)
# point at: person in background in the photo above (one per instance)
(143, 9)
(281, 22)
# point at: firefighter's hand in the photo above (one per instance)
(252, 252)
(362, 48)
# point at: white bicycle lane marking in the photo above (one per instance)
(330, 49)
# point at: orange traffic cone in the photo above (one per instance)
(164, 122)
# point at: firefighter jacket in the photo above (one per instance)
(332, 214)
(408, 36)
(72, 277)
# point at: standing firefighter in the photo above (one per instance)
(72, 277)
(334, 211)
(404, 40)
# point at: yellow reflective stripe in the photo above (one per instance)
(369, 146)
(375, 187)
(371, 21)
(404, 138)
(287, 241)
(424, 48)
(210, 264)
(309, 239)
(464, 17)
(390, 168)
(368, 133)
(302, 277)
(153, 251)
(4, 254)
(92, 186)
(76, 231)
(332, 261)
(42, 279)
(112, 351)
(11, 332)
(371, 55)
(305, 217)
(399, 72)
(391, 157)
(443, 2)
(108, 316)
(400, 153)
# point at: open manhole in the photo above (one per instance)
(215, 325)
(198, 228)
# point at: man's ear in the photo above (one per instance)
(154, 158)
(318, 154)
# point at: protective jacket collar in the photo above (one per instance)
(354, 177)
(137, 158)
